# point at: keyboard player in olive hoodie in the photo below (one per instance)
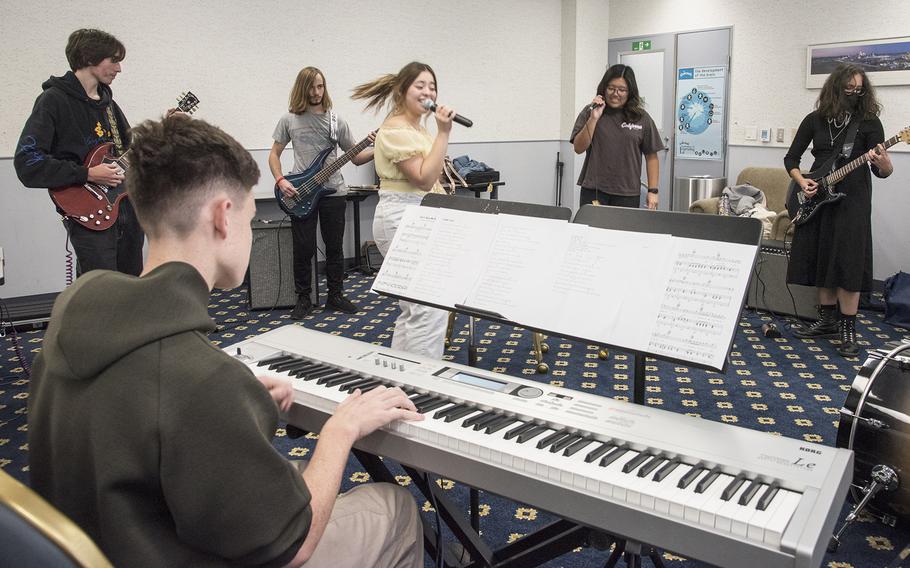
(157, 443)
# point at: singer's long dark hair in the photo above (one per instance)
(633, 109)
(833, 101)
(378, 91)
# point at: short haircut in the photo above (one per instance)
(300, 92)
(87, 47)
(176, 164)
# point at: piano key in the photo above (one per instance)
(431, 405)
(708, 480)
(578, 446)
(299, 372)
(460, 413)
(758, 521)
(318, 374)
(488, 420)
(650, 466)
(599, 451)
(325, 378)
(668, 495)
(421, 398)
(532, 433)
(742, 520)
(750, 492)
(552, 438)
(775, 526)
(768, 496)
(483, 416)
(271, 360)
(341, 379)
(564, 443)
(635, 462)
(352, 386)
(733, 487)
(708, 502)
(367, 387)
(614, 455)
(667, 469)
(692, 474)
(288, 365)
(723, 519)
(524, 427)
(446, 411)
(499, 424)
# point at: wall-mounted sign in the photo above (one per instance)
(699, 112)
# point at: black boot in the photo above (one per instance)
(847, 328)
(826, 326)
(336, 301)
(303, 308)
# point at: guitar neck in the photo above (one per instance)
(326, 172)
(840, 173)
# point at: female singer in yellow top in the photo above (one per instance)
(408, 161)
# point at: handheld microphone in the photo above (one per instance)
(430, 105)
(593, 106)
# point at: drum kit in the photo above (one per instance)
(875, 424)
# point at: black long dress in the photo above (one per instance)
(834, 248)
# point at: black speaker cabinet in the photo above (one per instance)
(271, 271)
(768, 289)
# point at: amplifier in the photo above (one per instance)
(768, 288)
(271, 271)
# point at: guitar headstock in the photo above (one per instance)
(187, 102)
(905, 135)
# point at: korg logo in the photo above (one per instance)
(810, 450)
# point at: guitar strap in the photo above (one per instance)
(333, 126)
(115, 132)
(847, 147)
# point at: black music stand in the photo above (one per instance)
(736, 230)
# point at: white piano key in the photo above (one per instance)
(701, 507)
(723, 519)
(668, 493)
(780, 519)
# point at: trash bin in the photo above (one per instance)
(692, 188)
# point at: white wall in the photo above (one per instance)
(768, 83)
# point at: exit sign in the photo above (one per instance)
(641, 45)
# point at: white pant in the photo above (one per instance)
(419, 329)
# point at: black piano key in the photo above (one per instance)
(410, 391)
(768, 496)
(340, 380)
(614, 455)
(707, 480)
(422, 398)
(633, 463)
(446, 411)
(312, 374)
(687, 479)
(499, 424)
(666, 470)
(733, 487)
(650, 466)
(532, 433)
(324, 379)
(352, 386)
(289, 364)
(301, 371)
(564, 443)
(577, 446)
(433, 405)
(487, 421)
(460, 413)
(330, 372)
(552, 438)
(477, 418)
(290, 367)
(276, 359)
(518, 430)
(750, 492)
(370, 386)
(599, 451)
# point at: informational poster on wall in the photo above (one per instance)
(700, 112)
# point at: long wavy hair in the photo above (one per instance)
(834, 103)
(299, 100)
(378, 92)
(633, 109)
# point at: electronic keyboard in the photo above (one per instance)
(707, 490)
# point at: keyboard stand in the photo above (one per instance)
(632, 552)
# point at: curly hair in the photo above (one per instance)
(833, 101)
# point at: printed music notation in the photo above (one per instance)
(654, 293)
(701, 303)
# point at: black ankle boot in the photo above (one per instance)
(847, 328)
(826, 326)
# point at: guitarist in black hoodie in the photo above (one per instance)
(74, 114)
(833, 250)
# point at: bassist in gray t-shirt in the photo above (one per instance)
(312, 127)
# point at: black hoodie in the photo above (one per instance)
(154, 441)
(64, 126)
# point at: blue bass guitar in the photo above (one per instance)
(310, 182)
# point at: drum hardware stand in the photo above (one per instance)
(633, 552)
(884, 478)
(870, 422)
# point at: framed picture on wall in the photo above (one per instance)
(885, 61)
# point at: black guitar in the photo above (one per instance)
(802, 208)
(310, 182)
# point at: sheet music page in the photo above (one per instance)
(436, 255)
(700, 308)
(518, 265)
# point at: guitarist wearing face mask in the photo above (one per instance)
(832, 250)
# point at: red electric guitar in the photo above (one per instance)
(96, 206)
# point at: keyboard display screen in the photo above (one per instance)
(476, 381)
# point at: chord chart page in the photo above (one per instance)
(700, 308)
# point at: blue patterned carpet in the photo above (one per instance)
(787, 386)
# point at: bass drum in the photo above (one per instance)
(875, 424)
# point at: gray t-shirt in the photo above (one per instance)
(613, 161)
(309, 134)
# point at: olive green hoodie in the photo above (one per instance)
(154, 441)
